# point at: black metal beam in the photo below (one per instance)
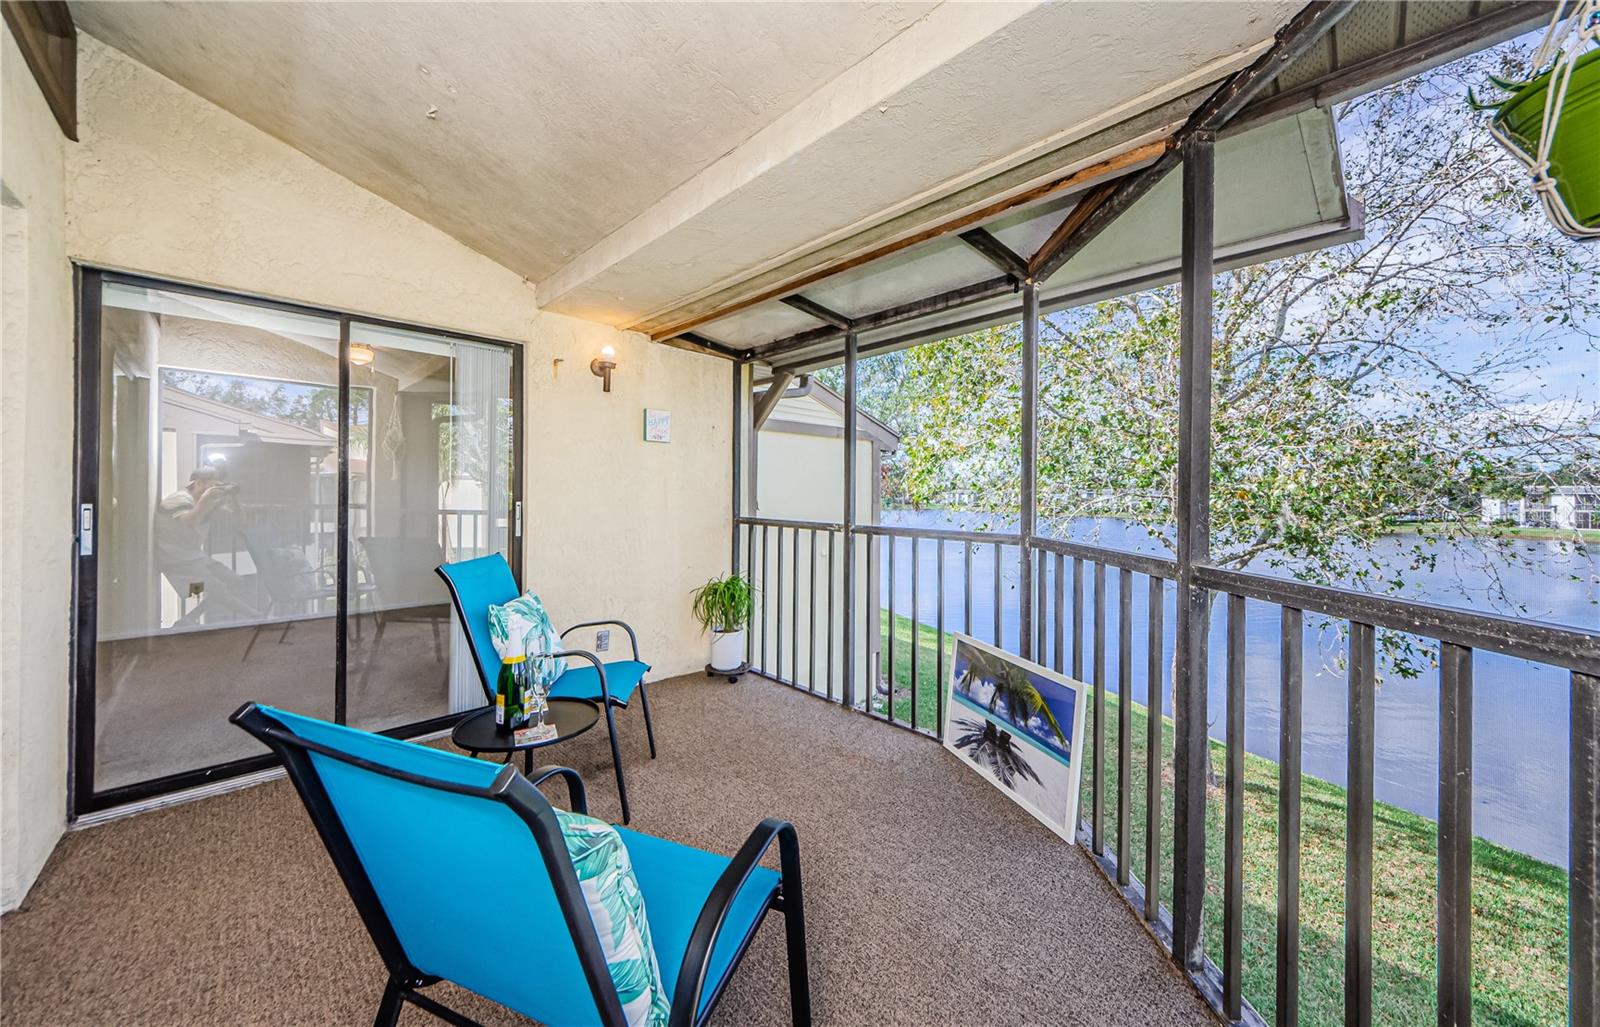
(848, 690)
(1193, 547)
(1293, 40)
(696, 343)
(1583, 855)
(996, 252)
(1455, 836)
(1030, 464)
(814, 309)
(1483, 29)
(739, 370)
(1362, 680)
(897, 314)
(1576, 649)
(768, 400)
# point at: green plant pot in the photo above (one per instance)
(1575, 149)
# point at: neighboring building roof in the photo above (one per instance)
(816, 408)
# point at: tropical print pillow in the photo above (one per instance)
(524, 618)
(606, 875)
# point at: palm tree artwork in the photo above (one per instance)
(992, 749)
(1012, 687)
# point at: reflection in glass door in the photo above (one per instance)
(236, 473)
(430, 482)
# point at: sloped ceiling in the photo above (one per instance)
(631, 157)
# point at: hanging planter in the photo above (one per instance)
(1551, 122)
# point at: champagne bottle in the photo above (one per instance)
(508, 703)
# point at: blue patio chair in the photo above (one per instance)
(434, 849)
(475, 585)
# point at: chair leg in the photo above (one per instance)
(794, 923)
(389, 1008)
(616, 761)
(257, 632)
(649, 731)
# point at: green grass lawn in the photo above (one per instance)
(1519, 926)
(1500, 531)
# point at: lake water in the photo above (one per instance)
(1520, 713)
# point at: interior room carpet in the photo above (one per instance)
(930, 898)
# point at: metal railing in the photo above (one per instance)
(1074, 626)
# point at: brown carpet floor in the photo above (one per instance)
(930, 898)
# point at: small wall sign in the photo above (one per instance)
(657, 425)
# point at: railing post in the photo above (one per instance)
(1583, 856)
(1030, 463)
(1455, 836)
(738, 457)
(1194, 538)
(848, 535)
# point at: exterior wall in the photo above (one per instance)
(168, 184)
(36, 446)
(798, 478)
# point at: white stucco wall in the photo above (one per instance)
(36, 367)
(165, 183)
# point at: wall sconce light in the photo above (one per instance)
(360, 354)
(603, 365)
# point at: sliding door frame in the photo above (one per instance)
(82, 797)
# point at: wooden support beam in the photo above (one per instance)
(996, 252)
(1091, 202)
(48, 40)
(814, 309)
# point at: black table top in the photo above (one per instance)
(479, 732)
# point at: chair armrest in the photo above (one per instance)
(582, 654)
(576, 797)
(633, 639)
(697, 958)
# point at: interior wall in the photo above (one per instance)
(165, 183)
(168, 184)
(36, 447)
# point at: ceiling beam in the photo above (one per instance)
(700, 344)
(48, 39)
(811, 308)
(898, 314)
(996, 252)
(1116, 165)
(1480, 30)
(1293, 40)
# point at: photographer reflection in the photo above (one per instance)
(182, 522)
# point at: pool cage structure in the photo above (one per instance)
(1052, 630)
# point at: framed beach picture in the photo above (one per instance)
(1020, 726)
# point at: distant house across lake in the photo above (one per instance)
(1570, 507)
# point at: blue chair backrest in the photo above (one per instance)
(476, 585)
(457, 868)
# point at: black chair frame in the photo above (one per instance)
(521, 795)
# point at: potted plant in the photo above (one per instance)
(723, 606)
(1551, 122)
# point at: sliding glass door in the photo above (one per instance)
(264, 492)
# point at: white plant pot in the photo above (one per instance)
(727, 650)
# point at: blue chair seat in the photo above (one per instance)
(583, 681)
(676, 881)
(421, 837)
